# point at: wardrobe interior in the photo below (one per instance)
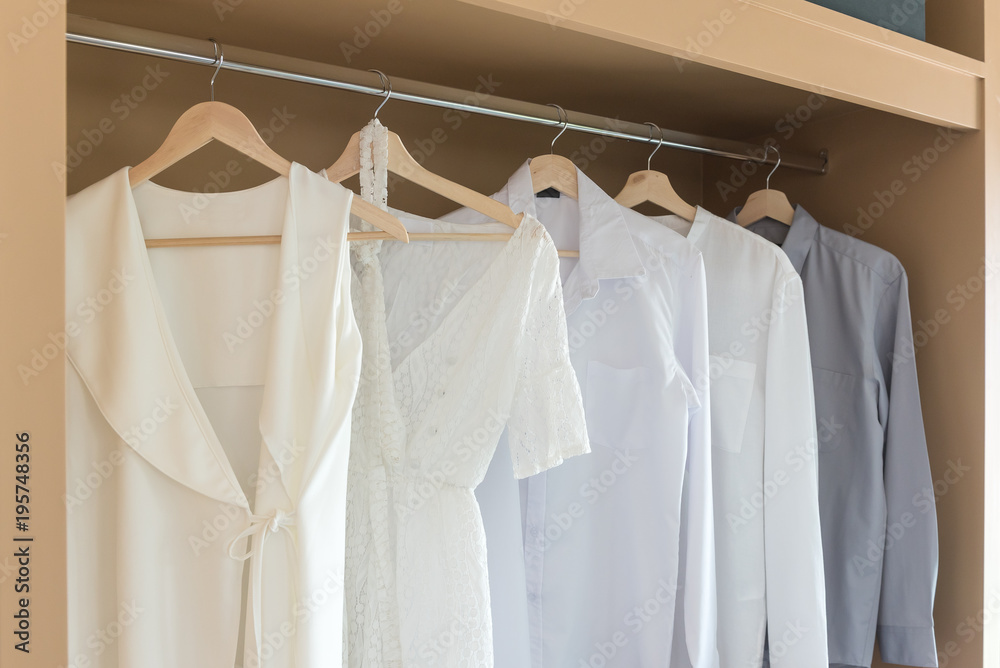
(907, 170)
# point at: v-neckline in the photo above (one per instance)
(177, 365)
(476, 285)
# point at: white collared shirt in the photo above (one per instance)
(599, 575)
(764, 454)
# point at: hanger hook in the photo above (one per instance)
(220, 58)
(649, 160)
(564, 119)
(767, 183)
(386, 89)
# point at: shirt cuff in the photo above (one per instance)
(908, 646)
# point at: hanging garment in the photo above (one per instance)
(769, 556)
(876, 493)
(599, 574)
(475, 340)
(174, 485)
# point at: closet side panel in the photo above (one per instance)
(918, 192)
(991, 137)
(32, 334)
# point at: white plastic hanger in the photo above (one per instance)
(767, 203)
(655, 187)
(222, 122)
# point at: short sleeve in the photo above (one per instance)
(546, 423)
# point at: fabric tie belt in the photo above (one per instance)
(261, 526)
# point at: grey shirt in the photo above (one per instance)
(877, 514)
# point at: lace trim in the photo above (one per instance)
(374, 175)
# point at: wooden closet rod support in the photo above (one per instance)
(82, 30)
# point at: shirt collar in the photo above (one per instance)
(606, 246)
(800, 238)
(801, 235)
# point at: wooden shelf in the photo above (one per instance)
(834, 54)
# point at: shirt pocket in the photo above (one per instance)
(633, 408)
(843, 403)
(731, 393)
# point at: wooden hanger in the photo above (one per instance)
(555, 171)
(225, 123)
(651, 186)
(767, 203)
(403, 164)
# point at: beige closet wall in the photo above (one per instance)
(32, 118)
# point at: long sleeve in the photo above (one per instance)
(909, 568)
(696, 570)
(793, 549)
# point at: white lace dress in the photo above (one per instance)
(476, 341)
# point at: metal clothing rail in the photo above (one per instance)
(81, 30)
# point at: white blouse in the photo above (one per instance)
(462, 339)
(209, 394)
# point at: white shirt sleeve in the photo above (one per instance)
(793, 548)
(696, 568)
